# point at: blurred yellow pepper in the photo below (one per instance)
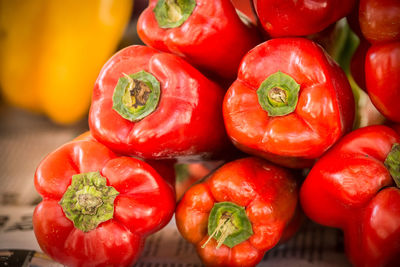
(51, 52)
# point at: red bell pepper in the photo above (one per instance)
(353, 20)
(382, 72)
(352, 187)
(299, 18)
(238, 213)
(207, 33)
(395, 126)
(98, 208)
(380, 20)
(246, 7)
(190, 173)
(290, 103)
(155, 105)
(166, 168)
(357, 65)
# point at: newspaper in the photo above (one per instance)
(25, 139)
(314, 245)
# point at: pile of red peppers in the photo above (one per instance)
(266, 89)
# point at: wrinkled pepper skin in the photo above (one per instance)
(267, 193)
(351, 188)
(144, 204)
(382, 74)
(186, 122)
(51, 52)
(166, 168)
(299, 18)
(213, 38)
(323, 113)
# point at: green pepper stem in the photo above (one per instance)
(392, 163)
(136, 95)
(224, 229)
(88, 201)
(278, 94)
(228, 224)
(173, 13)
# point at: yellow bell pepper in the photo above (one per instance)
(51, 52)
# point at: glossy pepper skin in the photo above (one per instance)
(212, 38)
(324, 110)
(51, 52)
(166, 168)
(382, 68)
(141, 203)
(380, 20)
(289, 18)
(351, 188)
(246, 8)
(266, 193)
(186, 121)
